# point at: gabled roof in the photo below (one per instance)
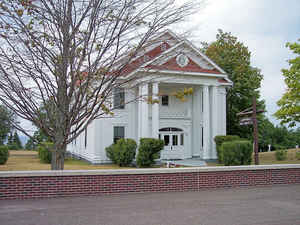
(161, 57)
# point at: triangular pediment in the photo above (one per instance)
(173, 65)
(171, 53)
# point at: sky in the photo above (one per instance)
(264, 26)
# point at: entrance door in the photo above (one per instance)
(174, 143)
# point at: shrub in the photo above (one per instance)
(279, 147)
(149, 151)
(13, 147)
(4, 153)
(281, 154)
(237, 153)
(123, 152)
(298, 155)
(44, 152)
(220, 140)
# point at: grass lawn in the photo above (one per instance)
(267, 158)
(28, 160)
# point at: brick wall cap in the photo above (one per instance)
(42, 173)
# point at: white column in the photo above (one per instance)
(214, 92)
(139, 113)
(144, 111)
(155, 111)
(206, 123)
(223, 102)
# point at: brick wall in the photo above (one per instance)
(26, 185)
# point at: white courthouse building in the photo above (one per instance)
(187, 127)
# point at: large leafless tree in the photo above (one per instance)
(65, 55)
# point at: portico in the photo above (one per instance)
(188, 128)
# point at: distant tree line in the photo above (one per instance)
(8, 136)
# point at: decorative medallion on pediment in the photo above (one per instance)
(182, 60)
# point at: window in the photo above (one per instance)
(202, 136)
(119, 132)
(165, 100)
(119, 98)
(175, 140)
(170, 129)
(182, 139)
(167, 140)
(85, 137)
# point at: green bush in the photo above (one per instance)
(278, 147)
(149, 151)
(44, 152)
(4, 153)
(220, 139)
(13, 147)
(123, 152)
(298, 155)
(237, 153)
(281, 154)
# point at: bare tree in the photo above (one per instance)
(68, 55)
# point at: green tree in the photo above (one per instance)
(277, 136)
(6, 119)
(30, 144)
(10, 139)
(38, 138)
(289, 112)
(234, 58)
(265, 133)
(17, 141)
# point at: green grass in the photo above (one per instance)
(28, 160)
(268, 158)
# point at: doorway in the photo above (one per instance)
(174, 142)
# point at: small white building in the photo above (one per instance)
(187, 127)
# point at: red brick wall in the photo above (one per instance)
(27, 187)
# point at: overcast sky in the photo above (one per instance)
(264, 26)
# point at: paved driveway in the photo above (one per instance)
(278, 205)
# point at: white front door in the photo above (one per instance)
(174, 143)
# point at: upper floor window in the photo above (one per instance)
(119, 98)
(165, 100)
